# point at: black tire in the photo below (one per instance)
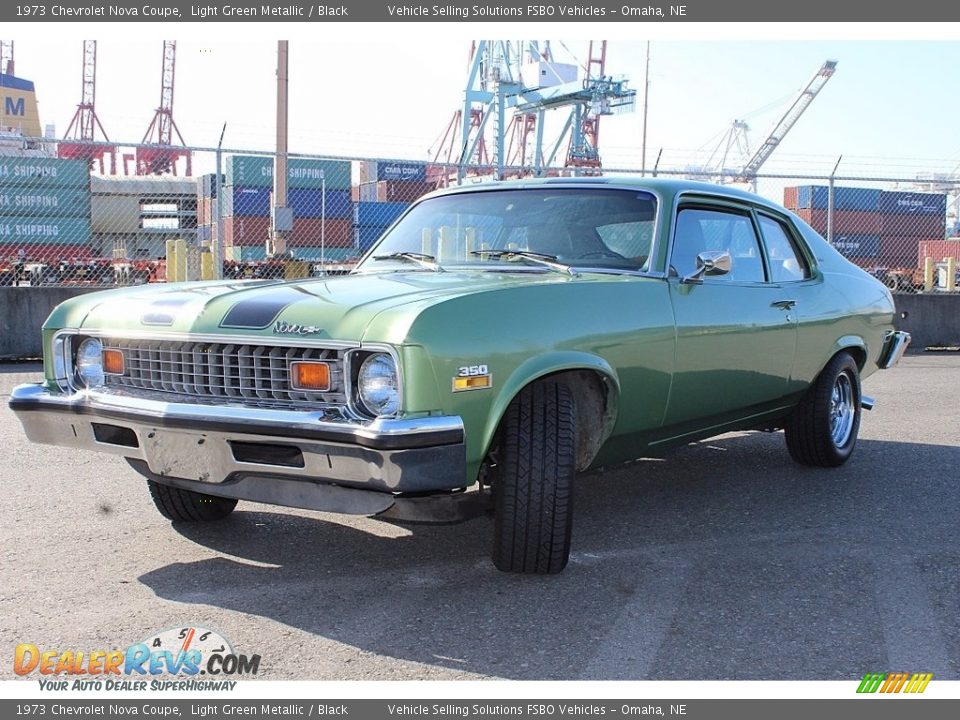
(822, 429)
(188, 506)
(533, 489)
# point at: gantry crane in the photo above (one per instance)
(749, 172)
(80, 138)
(159, 156)
(521, 77)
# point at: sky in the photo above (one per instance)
(369, 91)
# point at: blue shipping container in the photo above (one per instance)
(913, 203)
(257, 171)
(46, 202)
(44, 230)
(857, 246)
(246, 201)
(364, 237)
(311, 203)
(18, 172)
(844, 198)
(379, 214)
(413, 172)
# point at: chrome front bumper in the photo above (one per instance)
(292, 458)
(894, 346)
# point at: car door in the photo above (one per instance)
(736, 333)
(790, 269)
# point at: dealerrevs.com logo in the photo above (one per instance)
(175, 659)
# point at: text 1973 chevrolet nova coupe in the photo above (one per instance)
(503, 336)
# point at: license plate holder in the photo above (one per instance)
(177, 454)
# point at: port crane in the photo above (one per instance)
(80, 139)
(520, 78)
(157, 155)
(748, 174)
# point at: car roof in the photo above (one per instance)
(662, 186)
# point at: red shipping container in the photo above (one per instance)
(898, 251)
(240, 231)
(402, 191)
(854, 222)
(938, 250)
(925, 226)
(44, 252)
(336, 232)
(790, 198)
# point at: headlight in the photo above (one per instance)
(90, 363)
(378, 386)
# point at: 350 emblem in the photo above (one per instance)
(472, 370)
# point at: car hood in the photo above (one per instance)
(337, 308)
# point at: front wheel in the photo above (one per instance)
(188, 506)
(533, 489)
(822, 429)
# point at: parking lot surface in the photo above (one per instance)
(725, 560)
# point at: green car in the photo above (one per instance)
(499, 338)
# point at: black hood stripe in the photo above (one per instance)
(259, 312)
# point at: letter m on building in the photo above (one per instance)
(871, 682)
(13, 107)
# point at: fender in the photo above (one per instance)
(541, 366)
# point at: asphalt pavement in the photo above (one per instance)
(724, 560)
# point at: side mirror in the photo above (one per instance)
(710, 263)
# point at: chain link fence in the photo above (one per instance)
(66, 222)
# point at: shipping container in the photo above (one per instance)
(913, 203)
(857, 222)
(44, 230)
(51, 253)
(246, 201)
(377, 213)
(856, 245)
(336, 232)
(44, 202)
(312, 203)
(844, 198)
(394, 191)
(245, 231)
(207, 186)
(257, 171)
(898, 251)
(938, 250)
(19, 172)
(791, 198)
(914, 225)
(364, 237)
(402, 171)
(254, 254)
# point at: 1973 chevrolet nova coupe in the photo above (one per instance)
(503, 336)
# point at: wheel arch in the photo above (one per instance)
(596, 391)
(854, 345)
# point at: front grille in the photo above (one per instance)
(257, 375)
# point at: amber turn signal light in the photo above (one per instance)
(313, 376)
(113, 363)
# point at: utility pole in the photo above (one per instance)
(646, 96)
(281, 219)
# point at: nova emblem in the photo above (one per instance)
(282, 327)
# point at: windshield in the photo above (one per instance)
(582, 228)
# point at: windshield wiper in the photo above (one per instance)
(543, 259)
(421, 259)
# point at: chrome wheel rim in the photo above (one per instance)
(842, 410)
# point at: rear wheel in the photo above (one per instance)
(533, 488)
(822, 430)
(188, 506)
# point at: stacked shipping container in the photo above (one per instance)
(875, 228)
(318, 195)
(386, 189)
(44, 209)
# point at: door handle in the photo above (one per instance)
(784, 304)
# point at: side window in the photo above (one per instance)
(786, 262)
(699, 229)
